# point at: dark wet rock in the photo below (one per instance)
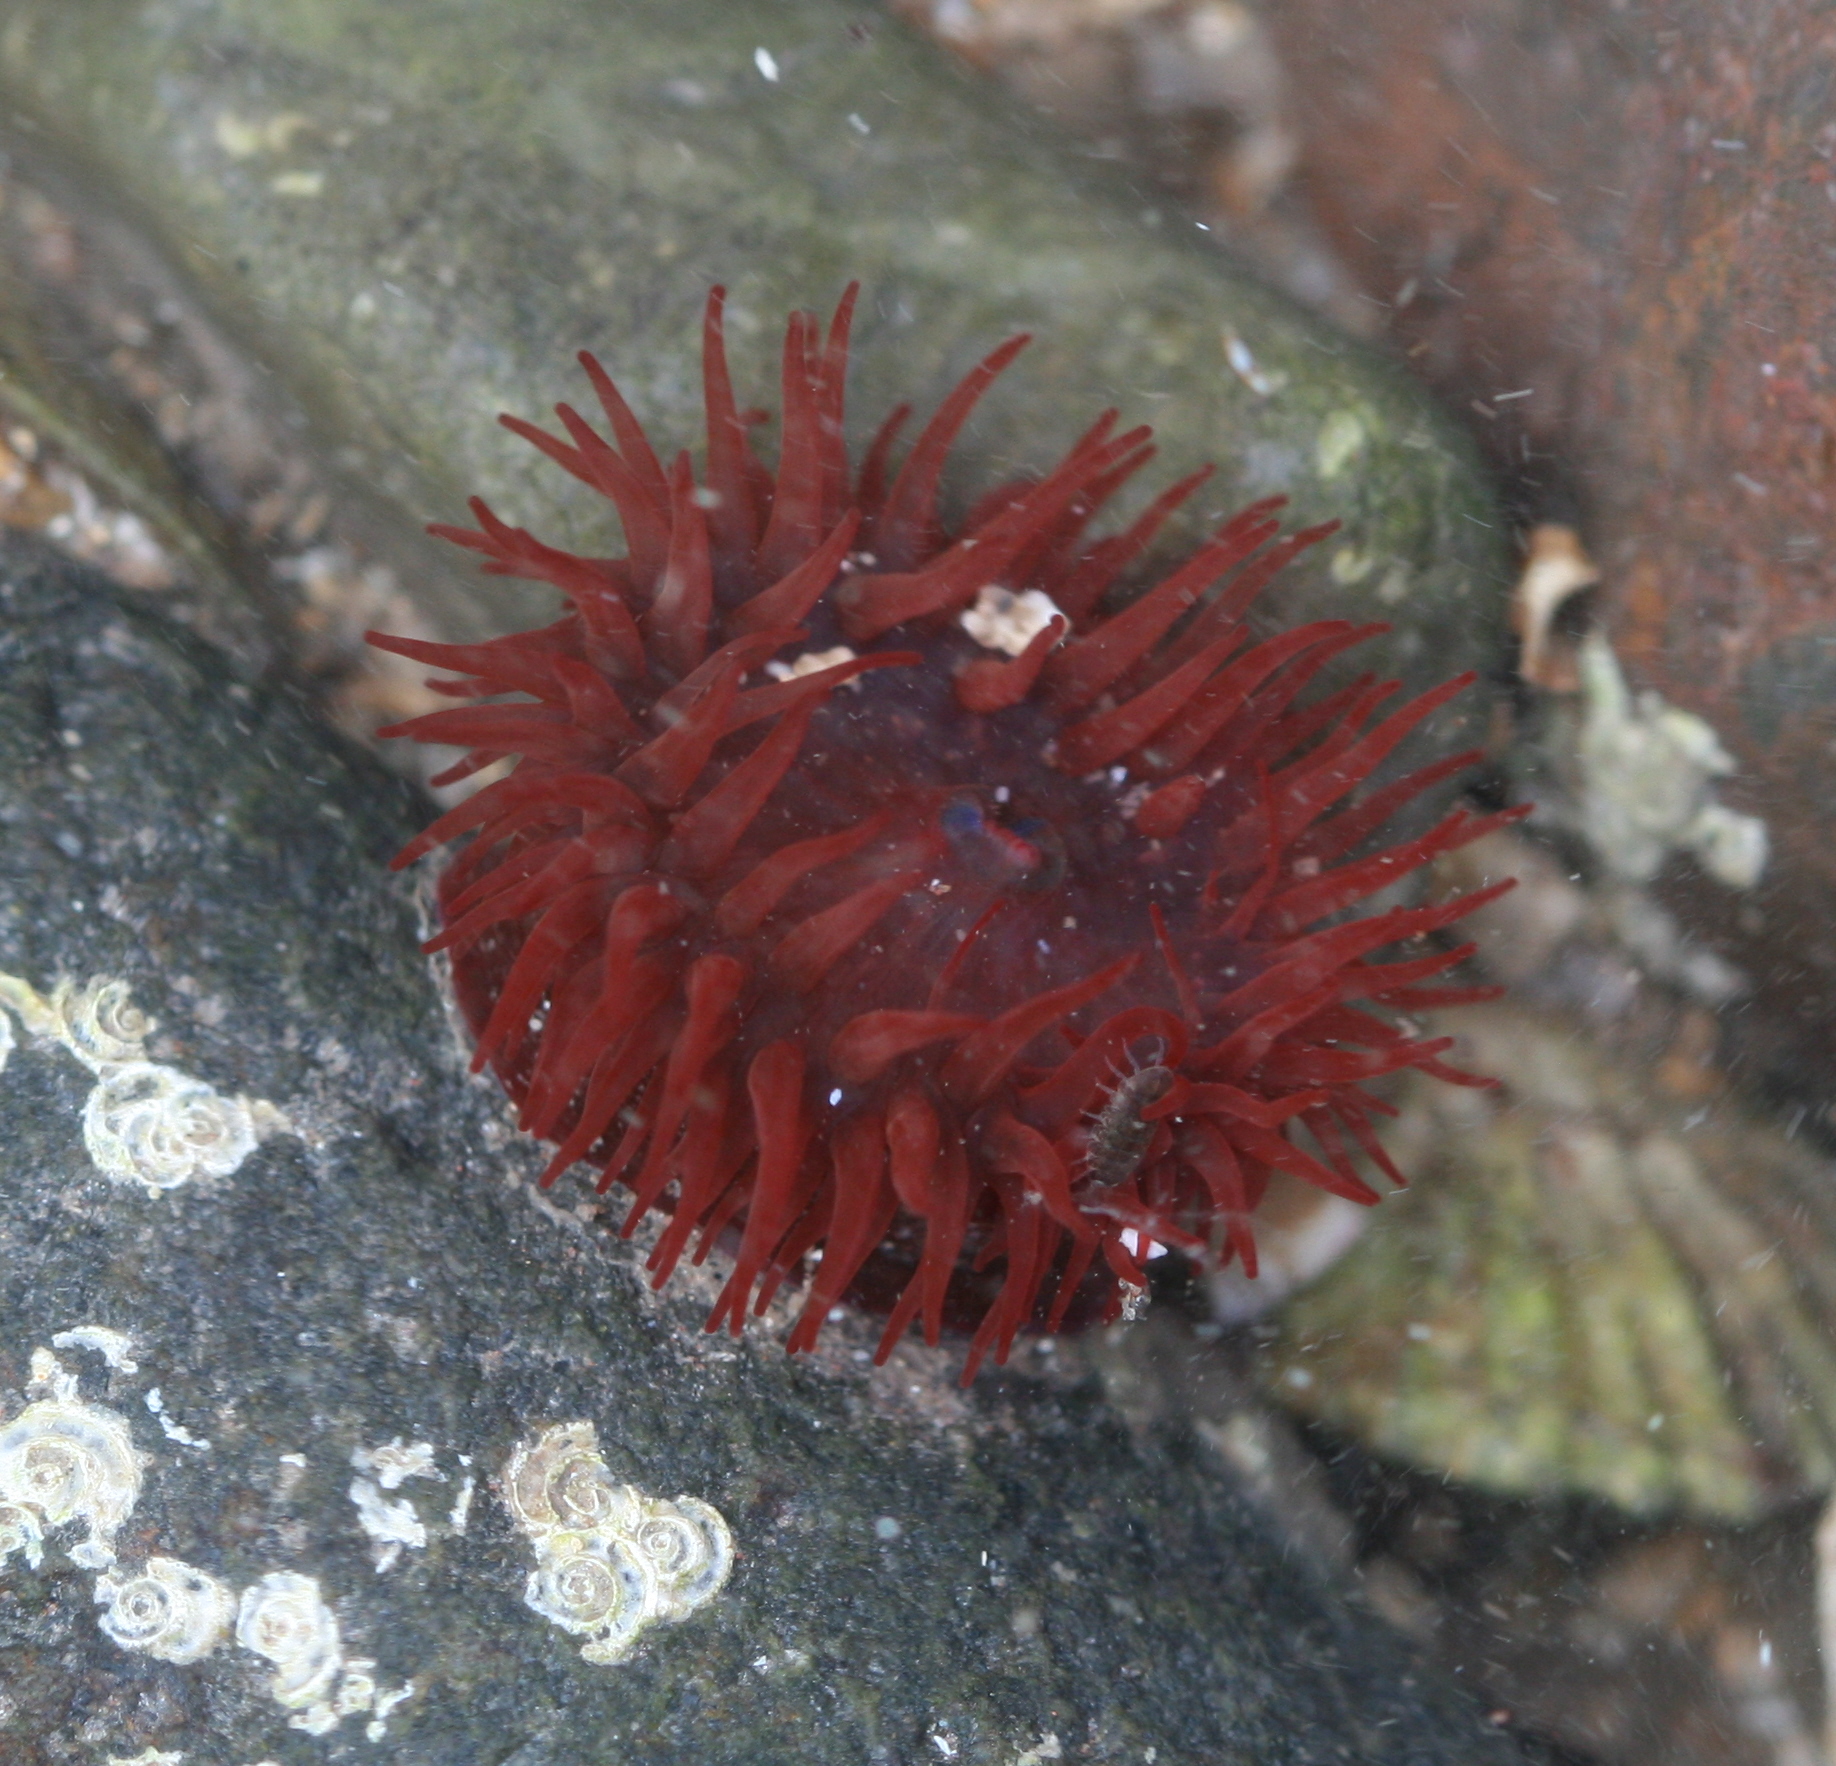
(917, 1571)
(293, 258)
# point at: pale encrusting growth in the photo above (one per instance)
(610, 1560)
(143, 1122)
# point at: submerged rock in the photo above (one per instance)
(279, 266)
(350, 1438)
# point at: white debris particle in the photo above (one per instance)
(766, 63)
(1046, 1748)
(392, 1525)
(462, 1506)
(1648, 772)
(115, 1347)
(1261, 381)
(395, 1463)
(812, 662)
(173, 1431)
(1002, 620)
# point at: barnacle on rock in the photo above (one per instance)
(688, 1543)
(166, 1609)
(143, 1123)
(559, 1483)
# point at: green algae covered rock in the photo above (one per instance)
(411, 216)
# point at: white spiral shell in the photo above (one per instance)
(166, 1609)
(595, 1585)
(688, 1545)
(153, 1125)
(560, 1483)
(610, 1560)
(70, 1462)
(284, 1618)
(99, 1024)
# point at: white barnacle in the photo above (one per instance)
(596, 1585)
(67, 1461)
(21, 1533)
(284, 1618)
(166, 1609)
(1002, 620)
(153, 1125)
(559, 1482)
(689, 1548)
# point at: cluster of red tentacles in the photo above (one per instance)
(906, 906)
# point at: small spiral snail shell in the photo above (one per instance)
(153, 1125)
(559, 1482)
(166, 1609)
(284, 1617)
(690, 1548)
(597, 1584)
(70, 1462)
(101, 1025)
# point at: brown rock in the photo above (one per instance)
(1607, 233)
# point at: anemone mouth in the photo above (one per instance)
(868, 900)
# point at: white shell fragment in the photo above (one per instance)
(166, 1609)
(1648, 771)
(21, 1534)
(143, 1123)
(610, 1560)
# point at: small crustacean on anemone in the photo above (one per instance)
(896, 900)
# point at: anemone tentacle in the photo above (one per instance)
(892, 900)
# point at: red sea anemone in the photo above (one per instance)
(901, 902)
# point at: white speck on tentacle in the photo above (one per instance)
(1002, 620)
(610, 1560)
(143, 1122)
(813, 662)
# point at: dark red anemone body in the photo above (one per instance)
(899, 902)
